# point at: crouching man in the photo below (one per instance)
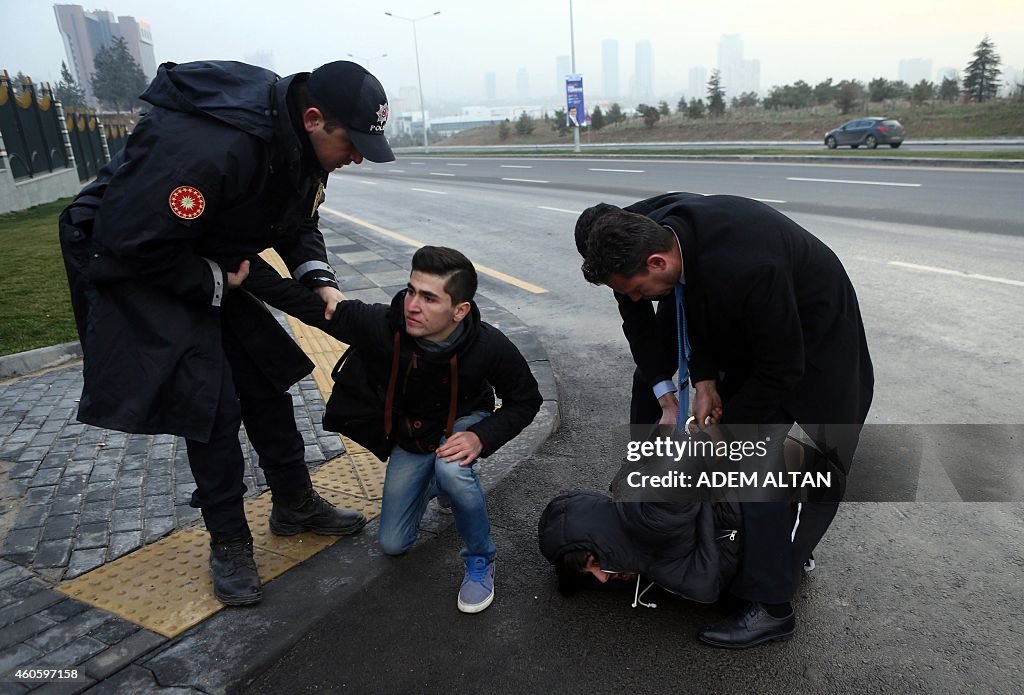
(436, 368)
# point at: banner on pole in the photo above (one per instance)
(575, 109)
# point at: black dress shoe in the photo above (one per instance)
(749, 627)
(314, 513)
(235, 579)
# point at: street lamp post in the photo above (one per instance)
(572, 52)
(367, 61)
(419, 79)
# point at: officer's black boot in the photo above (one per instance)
(235, 579)
(311, 512)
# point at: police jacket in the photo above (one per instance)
(214, 173)
(770, 311)
(691, 549)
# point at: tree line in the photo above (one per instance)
(980, 83)
(117, 80)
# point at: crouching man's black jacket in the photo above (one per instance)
(486, 364)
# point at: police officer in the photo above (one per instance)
(230, 160)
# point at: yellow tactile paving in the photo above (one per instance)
(166, 586)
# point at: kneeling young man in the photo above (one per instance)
(440, 367)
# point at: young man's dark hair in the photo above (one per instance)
(457, 270)
(620, 243)
(569, 568)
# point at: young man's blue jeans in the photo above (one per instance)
(413, 479)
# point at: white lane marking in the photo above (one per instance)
(958, 273)
(367, 183)
(427, 190)
(396, 171)
(859, 183)
(621, 171)
(496, 274)
(571, 212)
(515, 166)
(456, 165)
(419, 164)
(439, 173)
(524, 180)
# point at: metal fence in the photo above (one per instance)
(33, 129)
(40, 136)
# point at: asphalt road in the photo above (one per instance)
(914, 597)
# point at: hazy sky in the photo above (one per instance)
(793, 40)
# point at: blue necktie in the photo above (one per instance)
(684, 356)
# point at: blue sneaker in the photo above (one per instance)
(477, 589)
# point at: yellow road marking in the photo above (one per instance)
(496, 274)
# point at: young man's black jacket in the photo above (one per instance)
(691, 549)
(487, 362)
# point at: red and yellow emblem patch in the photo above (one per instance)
(187, 202)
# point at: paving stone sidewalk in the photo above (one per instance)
(73, 497)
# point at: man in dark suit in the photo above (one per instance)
(776, 338)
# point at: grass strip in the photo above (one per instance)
(35, 307)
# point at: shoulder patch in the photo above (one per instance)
(187, 202)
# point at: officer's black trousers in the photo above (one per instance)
(217, 465)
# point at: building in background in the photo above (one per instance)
(643, 77)
(491, 86)
(739, 75)
(522, 85)
(610, 68)
(85, 33)
(913, 70)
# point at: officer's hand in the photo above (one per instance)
(237, 278)
(669, 408)
(331, 297)
(707, 404)
(461, 447)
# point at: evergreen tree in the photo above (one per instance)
(695, 109)
(681, 106)
(949, 90)
(663, 108)
(879, 89)
(716, 95)
(504, 130)
(746, 100)
(981, 78)
(923, 92)
(524, 124)
(824, 92)
(67, 91)
(118, 80)
(650, 114)
(597, 118)
(558, 122)
(615, 114)
(849, 93)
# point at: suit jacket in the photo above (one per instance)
(771, 314)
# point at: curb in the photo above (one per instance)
(22, 363)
